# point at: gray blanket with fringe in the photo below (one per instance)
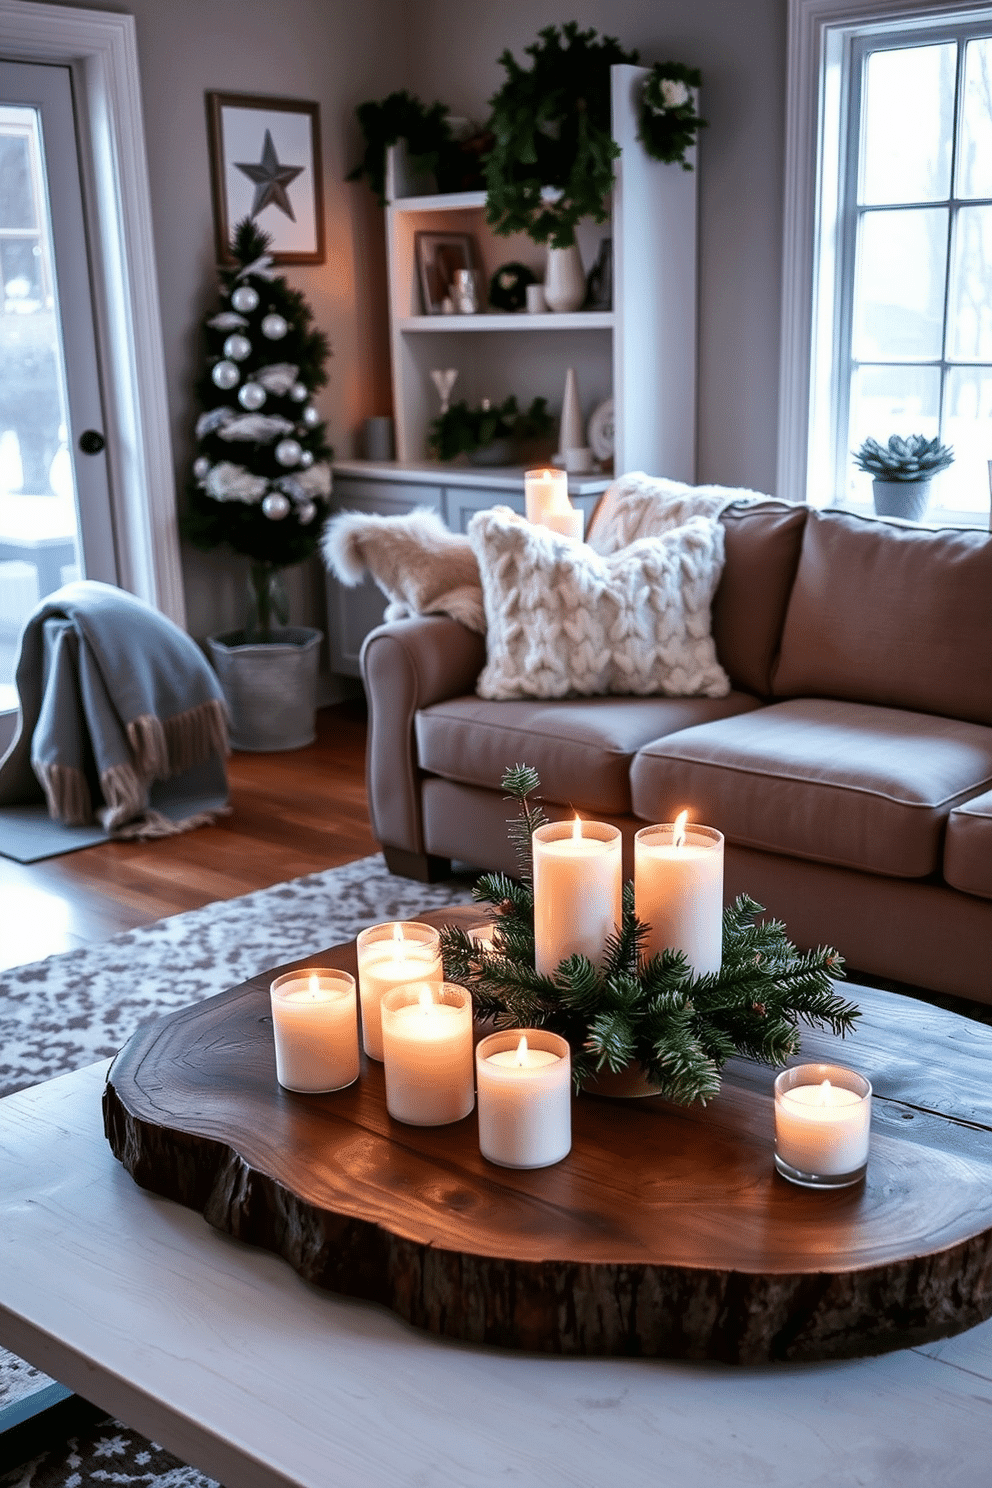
(113, 698)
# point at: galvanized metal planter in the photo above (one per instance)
(270, 687)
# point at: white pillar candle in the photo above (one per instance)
(391, 955)
(822, 1124)
(315, 1025)
(578, 891)
(524, 1078)
(546, 503)
(544, 490)
(678, 891)
(427, 1053)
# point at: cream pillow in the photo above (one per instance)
(564, 620)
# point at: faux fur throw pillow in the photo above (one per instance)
(566, 620)
(421, 567)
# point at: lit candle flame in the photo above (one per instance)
(426, 997)
(522, 1050)
(823, 1096)
(314, 984)
(678, 830)
(577, 829)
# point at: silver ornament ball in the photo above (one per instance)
(274, 326)
(251, 396)
(275, 506)
(306, 513)
(226, 375)
(288, 452)
(311, 416)
(306, 458)
(298, 393)
(237, 347)
(201, 466)
(245, 299)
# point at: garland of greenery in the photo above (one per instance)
(668, 122)
(462, 430)
(681, 1029)
(551, 128)
(402, 116)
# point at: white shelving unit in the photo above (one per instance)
(642, 353)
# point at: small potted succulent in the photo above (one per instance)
(902, 471)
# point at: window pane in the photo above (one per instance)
(970, 329)
(908, 120)
(964, 486)
(39, 548)
(899, 284)
(884, 401)
(975, 168)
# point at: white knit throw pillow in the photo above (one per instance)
(564, 620)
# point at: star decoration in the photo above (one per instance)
(271, 180)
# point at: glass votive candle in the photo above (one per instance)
(822, 1122)
(524, 1078)
(391, 955)
(427, 1053)
(315, 1025)
(578, 891)
(545, 490)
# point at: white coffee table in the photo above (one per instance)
(222, 1354)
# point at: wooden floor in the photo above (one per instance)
(294, 813)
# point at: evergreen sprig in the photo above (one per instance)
(551, 128)
(679, 1028)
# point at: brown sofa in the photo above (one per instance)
(850, 768)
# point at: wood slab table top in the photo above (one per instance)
(665, 1232)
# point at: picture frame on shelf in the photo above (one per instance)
(438, 255)
(265, 164)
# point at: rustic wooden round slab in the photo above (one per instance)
(665, 1232)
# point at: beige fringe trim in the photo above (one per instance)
(163, 748)
(67, 792)
(126, 796)
(153, 824)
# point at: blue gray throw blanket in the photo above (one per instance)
(113, 697)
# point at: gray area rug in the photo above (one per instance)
(69, 1011)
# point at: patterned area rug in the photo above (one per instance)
(72, 1010)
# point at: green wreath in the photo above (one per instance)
(668, 122)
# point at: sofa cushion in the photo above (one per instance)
(582, 749)
(863, 787)
(762, 545)
(968, 849)
(891, 614)
(565, 621)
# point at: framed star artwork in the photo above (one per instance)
(265, 164)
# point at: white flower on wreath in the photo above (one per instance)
(674, 94)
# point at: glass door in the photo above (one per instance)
(54, 498)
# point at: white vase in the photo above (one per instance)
(905, 499)
(564, 279)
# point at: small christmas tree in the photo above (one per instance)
(262, 476)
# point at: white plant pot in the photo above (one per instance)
(564, 279)
(270, 687)
(906, 499)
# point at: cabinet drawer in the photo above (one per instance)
(387, 498)
(462, 502)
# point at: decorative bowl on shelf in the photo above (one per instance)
(497, 452)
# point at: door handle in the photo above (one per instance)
(91, 441)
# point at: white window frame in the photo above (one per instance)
(821, 33)
(100, 49)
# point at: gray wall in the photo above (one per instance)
(740, 47)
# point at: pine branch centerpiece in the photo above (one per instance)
(679, 1028)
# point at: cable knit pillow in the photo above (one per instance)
(564, 620)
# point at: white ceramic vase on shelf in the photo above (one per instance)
(564, 279)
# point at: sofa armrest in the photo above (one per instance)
(405, 666)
